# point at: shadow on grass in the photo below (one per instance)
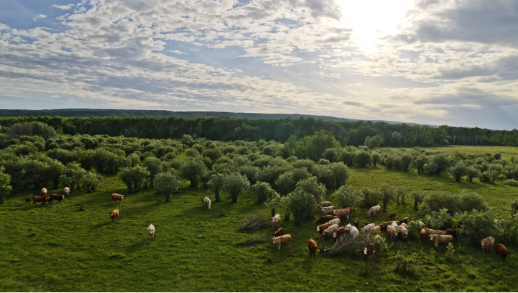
(137, 246)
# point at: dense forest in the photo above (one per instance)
(353, 133)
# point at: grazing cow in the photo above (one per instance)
(58, 197)
(41, 199)
(335, 221)
(392, 216)
(342, 213)
(376, 229)
(403, 231)
(451, 232)
(282, 240)
(374, 210)
(325, 219)
(151, 232)
(323, 227)
(369, 250)
(276, 220)
(312, 246)
(440, 239)
(278, 233)
(117, 197)
(27, 200)
(327, 210)
(207, 202)
(353, 231)
(502, 251)
(394, 224)
(384, 225)
(423, 235)
(339, 232)
(330, 230)
(324, 204)
(353, 211)
(404, 225)
(432, 231)
(115, 214)
(66, 191)
(405, 220)
(392, 232)
(43, 191)
(367, 223)
(356, 224)
(487, 243)
(421, 225)
(368, 228)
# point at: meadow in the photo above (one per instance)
(60, 248)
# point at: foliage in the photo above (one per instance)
(5, 188)
(406, 264)
(387, 193)
(373, 142)
(331, 155)
(192, 171)
(436, 164)
(285, 183)
(476, 224)
(375, 158)
(255, 222)
(405, 161)
(472, 200)
(472, 173)
(236, 184)
(167, 183)
(347, 196)
(154, 166)
(216, 184)
(274, 203)
(400, 193)
(438, 220)
(90, 180)
(436, 200)
(301, 204)
(363, 158)
(371, 197)
(311, 186)
(263, 191)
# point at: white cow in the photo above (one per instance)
(151, 232)
(374, 210)
(207, 202)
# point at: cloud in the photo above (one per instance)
(64, 7)
(39, 16)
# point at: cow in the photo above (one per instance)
(312, 246)
(282, 240)
(502, 251)
(421, 225)
(487, 243)
(27, 200)
(367, 223)
(405, 220)
(43, 191)
(278, 233)
(324, 204)
(451, 232)
(58, 197)
(404, 225)
(376, 229)
(66, 191)
(339, 232)
(369, 250)
(330, 230)
(41, 199)
(373, 210)
(342, 213)
(327, 210)
(323, 227)
(117, 197)
(368, 228)
(392, 232)
(335, 221)
(207, 202)
(325, 219)
(356, 224)
(392, 216)
(353, 231)
(115, 214)
(353, 211)
(276, 220)
(403, 231)
(423, 234)
(432, 231)
(440, 239)
(151, 232)
(384, 225)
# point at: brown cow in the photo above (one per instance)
(115, 214)
(325, 219)
(117, 197)
(312, 246)
(278, 233)
(405, 220)
(451, 232)
(41, 199)
(282, 240)
(369, 250)
(423, 234)
(27, 200)
(58, 197)
(356, 223)
(339, 232)
(392, 216)
(502, 251)
(323, 227)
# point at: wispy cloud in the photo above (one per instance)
(39, 17)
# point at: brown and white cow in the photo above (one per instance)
(440, 239)
(325, 219)
(312, 246)
(117, 197)
(115, 214)
(278, 233)
(41, 199)
(451, 232)
(502, 251)
(282, 240)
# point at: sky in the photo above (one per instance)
(452, 62)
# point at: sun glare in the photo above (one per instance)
(370, 20)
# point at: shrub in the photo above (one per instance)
(450, 251)
(5, 187)
(300, 174)
(391, 161)
(262, 190)
(192, 170)
(387, 194)
(419, 163)
(285, 183)
(470, 201)
(331, 155)
(405, 161)
(90, 180)
(438, 220)
(437, 200)
(458, 170)
(192, 153)
(511, 182)
(341, 173)
(375, 158)
(437, 164)
(216, 183)
(413, 229)
(371, 197)
(274, 203)
(406, 264)
(251, 172)
(301, 204)
(477, 224)
(400, 193)
(313, 187)
(167, 183)
(323, 162)
(472, 173)
(347, 196)
(236, 184)
(363, 158)
(255, 222)
(348, 158)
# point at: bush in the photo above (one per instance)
(418, 197)
(285, 183)
(458, 170)
(406, 264)
(400, 193)
(347, 196)
(477, 224)
(341, 173)
(363, 158)
(438, 220)
(470, 201)
(262, 190)
(255, 222)
(192, 153)
(437, 164)
(511, 182)
(251, 172)
(348, 158)
(167, 183)
(413, 229)
(236, 184)
(5, 187)
(387, 194)
(301, 204)
(331, 155)
(437, 200)
(371, 197)
(375, 158)
(216, 183)
(391, 161)
(192, 170)
(313, 187)
(405, 161)
(274, 203)
(472, 173)
(91, 180)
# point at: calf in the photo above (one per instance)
(276, 220)
(487, 243)
(368, 228)
(451, 232)
(282, 240)
(432, 231)
(353, 231)
(325, 219)
(423, 235)
(392, 232)
(373, 210)
(278, 233)
(330, 230)
(312, 246)
(392, 216)
(324, 204)
(502, 251)
(58, 197)
(151, 232)
(41, 199)
(27, 200)
(376, 229)
(117, 197)
(115, 214)
(403, 231)
(335, 221)
(353, 211)
(440, 239)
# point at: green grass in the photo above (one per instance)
(59, 248)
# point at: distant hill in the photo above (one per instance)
(166, 114)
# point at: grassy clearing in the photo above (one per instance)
(59, 248)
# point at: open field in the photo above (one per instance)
(59, 248)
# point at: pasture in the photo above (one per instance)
(60, 248)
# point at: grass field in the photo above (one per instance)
(59, 248)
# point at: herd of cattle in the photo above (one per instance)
(328, 226)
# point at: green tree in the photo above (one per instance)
(262, 190)
(476, 224)
(56, 169)
(418, 198)
(387, 194)
(437, 164)
(300, 204)
(285, 183)
(458, 170)
(341, 173)
(192, 170)
(330, 155)
(274, 203)
(471, 200)
(373, 142)
(405, 161)
(363, 158)
(154, 166)
(347, 196)
(400, 193)
(126, 177)
(375, 158)
(216, 184)
(5, 187)
(90, 180)
(139, 175)
(313, 187)
(236, 184)
(167, 183)
(472, 173)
